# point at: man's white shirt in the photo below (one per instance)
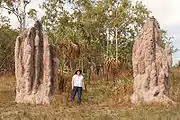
(78, 79)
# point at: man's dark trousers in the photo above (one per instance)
(79, 90)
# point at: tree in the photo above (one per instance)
(18, 8)
(7, 40)
(167, 40)
(32, 14)
(86, 24)
(4, 21)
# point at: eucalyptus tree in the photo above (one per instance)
(87, 21)
(7, 42)
(18, 8)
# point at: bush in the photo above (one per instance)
(7, 40)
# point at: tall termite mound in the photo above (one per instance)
(152, 62)
(35, 67)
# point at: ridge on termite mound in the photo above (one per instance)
(35, 67)
(151, 66)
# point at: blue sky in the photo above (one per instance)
(165, 11)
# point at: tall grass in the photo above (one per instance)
(103, 100)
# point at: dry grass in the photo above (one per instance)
(103, 100)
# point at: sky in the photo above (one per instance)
(165, 11)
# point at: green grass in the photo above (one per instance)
(101, 101)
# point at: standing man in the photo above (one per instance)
(77, 85)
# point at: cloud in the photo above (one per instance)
(167, 13)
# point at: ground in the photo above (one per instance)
(102, 101)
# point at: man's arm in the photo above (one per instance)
(72, 83)
(83, 84)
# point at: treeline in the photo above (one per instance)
(92, 35)
(7, 43)
(95, 36)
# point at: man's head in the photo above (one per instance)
(78, 72)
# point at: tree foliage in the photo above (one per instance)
(7, 40)
(83, 31)
(18, 8)
(85, 23)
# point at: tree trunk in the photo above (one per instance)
(35, 67)
(107, 41)
(82, 65)
(116, 47)
(23, 15)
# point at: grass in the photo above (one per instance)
(102, 101)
